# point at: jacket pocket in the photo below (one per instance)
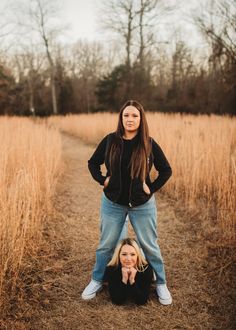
(138, 195)
(112, 185)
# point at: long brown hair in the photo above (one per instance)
(141, 261)
(141, 153)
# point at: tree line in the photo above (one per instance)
(50, 77)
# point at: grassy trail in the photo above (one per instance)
(195, 296)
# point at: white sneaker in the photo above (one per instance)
(91, 289)
(164, 295)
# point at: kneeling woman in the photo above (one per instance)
(128, 274)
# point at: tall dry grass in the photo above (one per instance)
(29, 166)
(201, 151)
(90, 128)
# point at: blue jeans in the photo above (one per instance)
(143, 219)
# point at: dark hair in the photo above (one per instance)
(139, 158)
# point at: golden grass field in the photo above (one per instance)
(29, 167)
(200, 149)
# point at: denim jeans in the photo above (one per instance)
(143, 219)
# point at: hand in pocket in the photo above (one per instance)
(106, 182)
(146, 188)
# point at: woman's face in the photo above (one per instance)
(128, 256)
(131, 119)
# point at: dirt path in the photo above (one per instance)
(77, 201)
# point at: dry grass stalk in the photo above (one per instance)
(29, 164)
(201, 150)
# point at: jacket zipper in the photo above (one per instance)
(130, 204)
(120, 171)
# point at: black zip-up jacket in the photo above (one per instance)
(137, 195)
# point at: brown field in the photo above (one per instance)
(29, 163)
(197, 242)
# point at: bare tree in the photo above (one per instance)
(146, 13)
(40, 20)
(42, 13)
(6, 29)
(29, 64)
(182, 65)
(87, 65)
(119, 17)
(135, 22)
(218, 24)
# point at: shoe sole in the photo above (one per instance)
(91, 296)
(165, 301)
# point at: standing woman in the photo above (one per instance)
(129, 154)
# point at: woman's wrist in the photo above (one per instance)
(106, 181)
(146, 188)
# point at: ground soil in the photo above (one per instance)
(202, 297)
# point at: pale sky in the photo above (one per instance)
(83, 17)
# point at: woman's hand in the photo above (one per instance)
(132, 274)
(125, 274)
(128, 274)
(146, 188)
(106, 182)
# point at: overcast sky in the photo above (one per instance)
(83, 18)
(80, 15)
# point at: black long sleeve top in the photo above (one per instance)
(120, 292)
(123, 170)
